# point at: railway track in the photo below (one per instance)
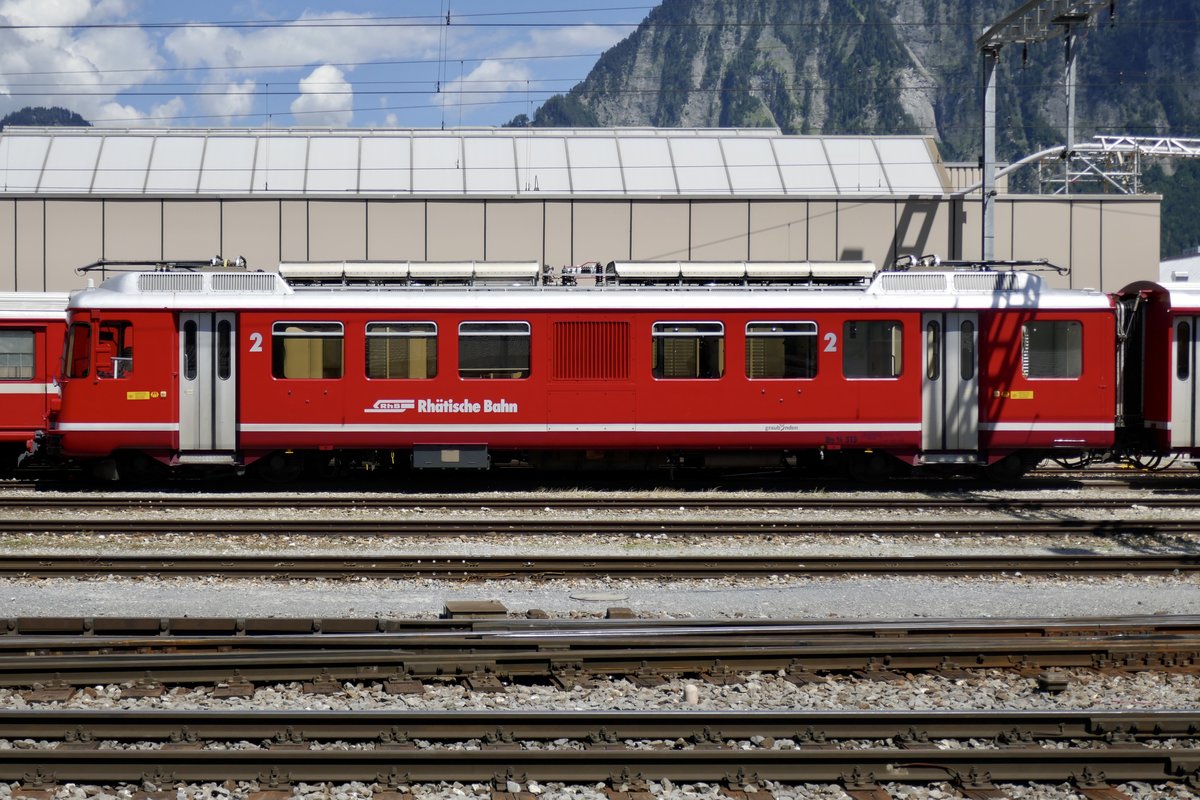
(57, 656)
(946, 501)
(674, 567)
(672, 527)
(1090, 750)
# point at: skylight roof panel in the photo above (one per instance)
(332, 164)
(856, 166)
(123, 164)
(542, 165)
(699, 166)
(909, 166)
(71, 164)
(228, 164)
(646, 162)
(804, 167)
(437, 164)
(384, 164)
(752, 166)
(595, 167)
(491, 164)
(175, 164)
(21, 160)
(279, 164)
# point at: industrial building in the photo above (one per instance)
(71, 196)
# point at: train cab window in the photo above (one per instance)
(401, 350)
(78, 355)
(1052, 349)
(781, 350)
(307, 350)
(872, 348)
(493, 349)
(16, 355)
(114, 350)
(688, 350)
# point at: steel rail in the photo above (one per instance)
(700, 726)
(564, 660)
(675, 567)
(91, 632)
(396, 766)
(611, 502)
(658, 526)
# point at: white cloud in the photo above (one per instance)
(506, 78)
(298, 43)
(237, 101)
(82, 70)
(326, 99)
(491, 81)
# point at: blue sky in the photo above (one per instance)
(324, 63)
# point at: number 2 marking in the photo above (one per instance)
(256, 342)
(831, 343)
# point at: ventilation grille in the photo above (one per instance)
(591, 351)
(912, 282)
(170, 282)
(986, 282)
(258, 282)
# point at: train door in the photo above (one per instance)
(950, 386)
(207, 387)
(1183, 383)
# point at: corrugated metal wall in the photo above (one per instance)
(1106, 241)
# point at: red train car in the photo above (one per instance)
(1160, 343)
(798, 362)
(32, 325)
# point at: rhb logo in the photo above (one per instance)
(393, 406)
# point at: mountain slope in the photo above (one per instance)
(889, 67)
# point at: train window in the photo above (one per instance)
(1183, 351)
(781, 349)
(189, 349)
(401, 350)
(306, 350)
(224, 350)
(966, 350)
(1052, 349)
(493, 349)
(872, 348)
(79, 351)
(16, 355)
(933, 350)
(688, 350)
(114, 349)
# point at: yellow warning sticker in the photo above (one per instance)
(1023, 394)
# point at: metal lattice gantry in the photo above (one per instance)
(1038, 21)
(1113, 162)
(1035, 21)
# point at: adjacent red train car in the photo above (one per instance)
(1158, 412)
(957, 369)
(31, 340)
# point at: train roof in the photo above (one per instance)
(223, 290)
(33, 305)
(1179, 296)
